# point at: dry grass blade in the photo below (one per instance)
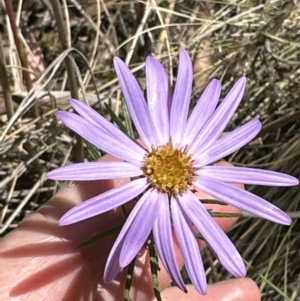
(227, 39)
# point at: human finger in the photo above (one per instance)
(38, 243)
(240, 289)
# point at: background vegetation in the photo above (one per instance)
(50, 51)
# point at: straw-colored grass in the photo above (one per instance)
(226, 40)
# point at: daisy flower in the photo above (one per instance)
(178, 155)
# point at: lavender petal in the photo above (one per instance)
(104, 202)
(89, 114)
(216, 124)
(112, 266)
(120, 145)
(136, 104)
(158, 94)
(213, 234)
(102, 123)
(245, 175)
(181, 98)
(202, 111)
(89, 171)
(242, 199)
(228, 144)
(189, 247)
(140, 226)
(164, 243)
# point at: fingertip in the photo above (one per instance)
(239, 289)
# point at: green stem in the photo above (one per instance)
(129, 280)
(154, 268)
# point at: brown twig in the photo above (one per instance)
(21, 52)
(72, 80)
(5, 83)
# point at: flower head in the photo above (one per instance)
(178, 154)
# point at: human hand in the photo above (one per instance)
(39, 260)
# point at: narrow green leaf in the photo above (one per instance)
(270, 283)
(99, 236)
(128, 121)
(224, 214)
(115, 118)
(93, 151)
(209, 201)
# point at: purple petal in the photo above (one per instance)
(164, 242)
(189, 247)
(213, 234)
(242, 199)
(136, 104)
(89, 114)
(113, 262)
(119, 145)
(104, 202)
(158, 96)
(228, 144)
(214, 127)
(181, 98)
(202, 111)
(140, 226)
(95, 171)
(112, 266)
(247, 175)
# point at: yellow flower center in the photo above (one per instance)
(169, 169)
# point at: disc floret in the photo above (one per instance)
(169, 169)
